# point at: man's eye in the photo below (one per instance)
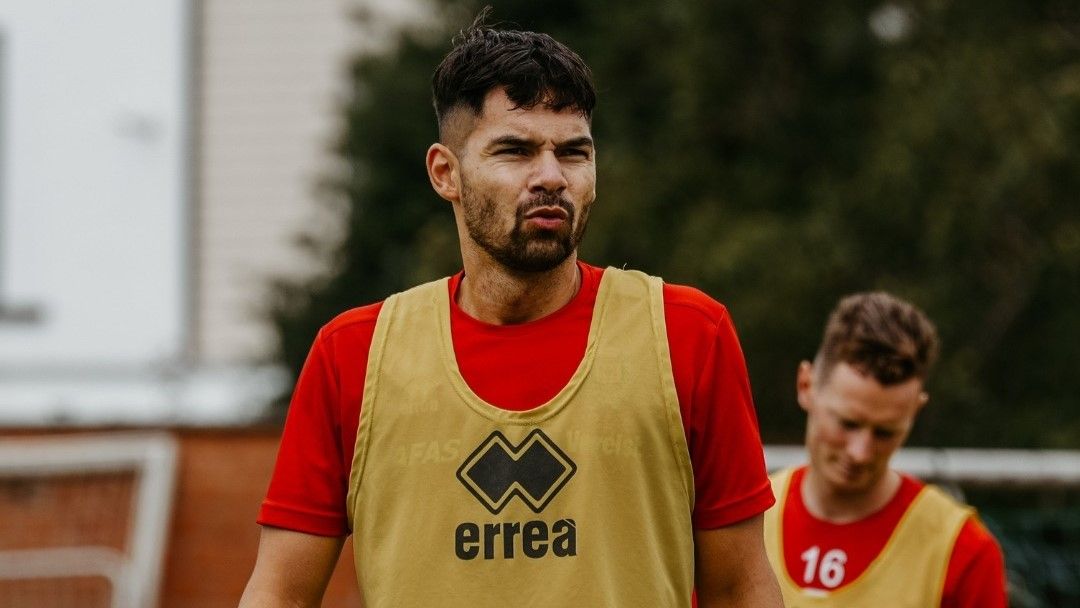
(884, 433)
(574, 153)
(512, 151)
(849, 425)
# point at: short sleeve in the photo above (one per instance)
(976, 574)
(730, 479)
(307, 490)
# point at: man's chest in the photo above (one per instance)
(827, 556)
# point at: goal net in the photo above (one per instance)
(84, 519)
(1029, 499)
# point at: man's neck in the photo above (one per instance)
(493, 294)
(827, 504)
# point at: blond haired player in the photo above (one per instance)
(848, 530)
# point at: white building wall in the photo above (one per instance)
(93, 208)
(157, 159)
(92, 183)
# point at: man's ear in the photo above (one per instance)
(804, 384)
(443, 171)
(924, 398)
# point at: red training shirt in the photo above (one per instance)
(975, 577)
(519, 367)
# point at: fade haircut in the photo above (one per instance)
(533, 68)
(879, 335)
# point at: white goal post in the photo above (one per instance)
(134, 573)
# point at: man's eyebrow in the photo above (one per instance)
(578, 142)
(513, 140)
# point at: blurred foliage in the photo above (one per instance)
(778, 155)
(1039, 532)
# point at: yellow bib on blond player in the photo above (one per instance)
(584, 501)
(908, 573)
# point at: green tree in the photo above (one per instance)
(779, 155)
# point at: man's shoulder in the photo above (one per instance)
(693, 305)
(782, 476)
(978, 535)
(681, 299)
(353, 323)
(359, 322)
(974, 531)
(946, 510)
(944, 494)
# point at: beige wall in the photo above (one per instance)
(270, 81)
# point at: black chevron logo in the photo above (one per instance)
(534, 471)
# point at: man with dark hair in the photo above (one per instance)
(848, 531)
(533, 431)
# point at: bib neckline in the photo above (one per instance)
(543, 411)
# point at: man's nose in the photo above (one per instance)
(547, 174)
(860, 445)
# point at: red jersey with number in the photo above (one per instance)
(827, 556)
(519, 367)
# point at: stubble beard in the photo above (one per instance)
(523, 250)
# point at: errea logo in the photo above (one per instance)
(534, 470)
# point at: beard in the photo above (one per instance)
(524, 249)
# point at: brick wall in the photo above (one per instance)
(214, 537)
(221, 478)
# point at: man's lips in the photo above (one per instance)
(548, 213)
(547, 217)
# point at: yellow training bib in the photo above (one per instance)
(584, 501)
(908, 573)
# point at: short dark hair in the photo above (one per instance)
(534, 69)
(879, 335)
